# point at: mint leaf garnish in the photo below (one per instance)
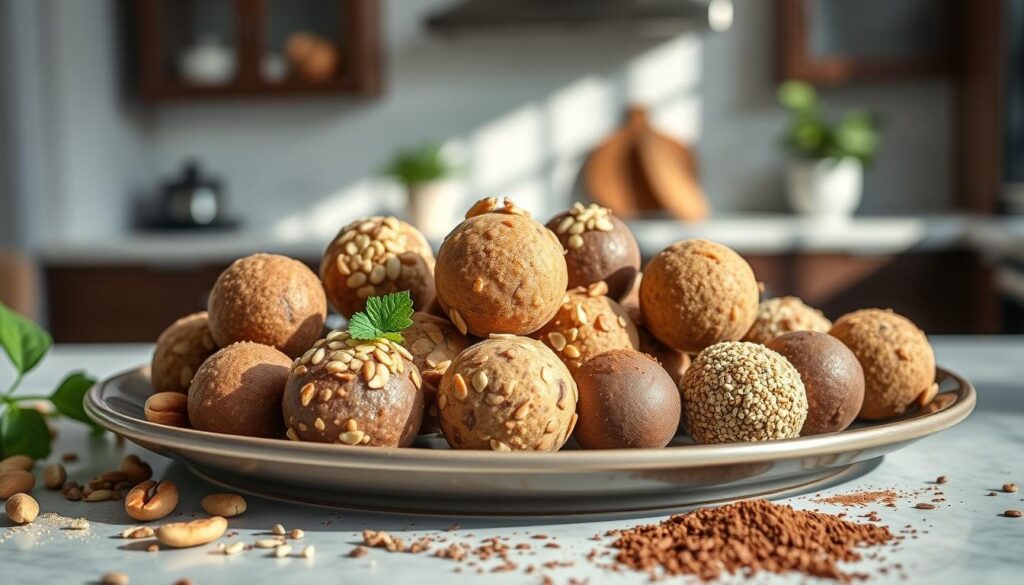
(385, 317)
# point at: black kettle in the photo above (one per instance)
(192, 200)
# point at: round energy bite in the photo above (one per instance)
(507, 393)
(627, 401)
(354, 392)
(782, 315)
(179, 352)
(433, 342)
(500, 271)
(832, 377)
(237, 391)
(674, 361)
(599, 247)
(376, 256)
(696, 293)
(741, 392)
(897, 360)
(268, 299)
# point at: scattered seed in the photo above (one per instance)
(296, 533)
(1009, 488)
(267, 543)
(924, 506)
(234, 548)
(309, 552)
(283, 551)
(114, 578)
(278, 530)
(1012, 513)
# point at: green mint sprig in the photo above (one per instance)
(385, 317)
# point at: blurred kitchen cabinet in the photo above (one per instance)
(247, 48)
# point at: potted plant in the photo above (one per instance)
(826, 173)
(424, 172)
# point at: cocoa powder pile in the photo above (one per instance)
(748, 537)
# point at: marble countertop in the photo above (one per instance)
(965, 539)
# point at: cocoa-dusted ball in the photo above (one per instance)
(237, 391)
(180, 350)
(783, 315)
(375, 256)
(507, 393)
(433, 342)
(832, 377)
(587, 324)
(500, 271)
(268, 299)
(599, 247)
(627, 401)
(737, 391)
(897, 360)
(696, 293)
(354, 392)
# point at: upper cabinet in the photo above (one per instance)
(245, 48)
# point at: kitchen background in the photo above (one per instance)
(291, 109)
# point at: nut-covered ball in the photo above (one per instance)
(354, 392)
(627, 401)
(507, 393)
(237, 391)
(831, 375)
(376, 256)
(500, 272)
(696, 293)
(268, 299)
(180, 350)
(741, 392)
(897, 360)
(588, 324)
(433, 342)
(599, 247)
(782, 315)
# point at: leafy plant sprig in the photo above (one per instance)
(23, 430)
(385, 317)
(811, 135)
(419, 164)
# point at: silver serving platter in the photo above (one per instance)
(432, 479)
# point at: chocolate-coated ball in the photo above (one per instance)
(599, 247)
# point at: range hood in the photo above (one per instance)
(619, 15)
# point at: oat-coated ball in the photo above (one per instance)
(354, 392)
(696, 293)
(507, 393)
(268, 299)
(740, 392)
(500, 271)
(598, 247)
(180, 350)
(375, 256)
(433, 342)
(781, 315)
(897, 359)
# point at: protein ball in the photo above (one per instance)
(179, 352)
(588, 324)
(674, 361)
(500, 272)
(268, 299)
(627, 401)
(897, 360)
(783, 315)
(354, 392)
(433, 342)
(375, 256)
(832, 377)
(697, 293)
(237, 391)
(599, 247)
(741, 392)
(507, 393)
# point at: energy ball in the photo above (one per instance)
(237, 391)
(433, 342)
(737, 391)
(354, 392)
(507, 393)
(500, 271)
(627, 401)
(832, 377)
(180, 350)
(588, 324)
(268, 299)
(674, 361)
(376, 256)
(897, 360)
(697, 293)
(783, 315)
(599, 247)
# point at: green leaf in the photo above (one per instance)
(420, 164)
(385, 316)
(797, 95)
(360, 327)
(25, 342)
(68, 399)
(23, 432)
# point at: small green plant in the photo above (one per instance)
(419, 164)
(385, 317)
(811, 135)
(23, 429)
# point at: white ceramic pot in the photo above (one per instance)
(432, 207)
(209, 62)
(825, 187)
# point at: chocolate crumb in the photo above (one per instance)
(924, 506)
(941, 479)
(358, 552)
(1012, 513)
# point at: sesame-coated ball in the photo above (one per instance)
(741, 392)
(784, 315)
